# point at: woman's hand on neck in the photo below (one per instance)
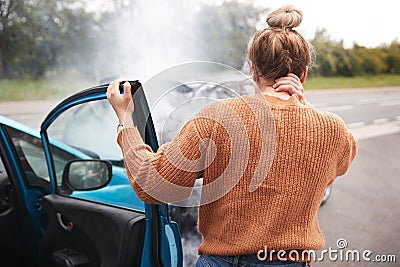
(266, 87)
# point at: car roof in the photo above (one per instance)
(19, 126)
(28, 130)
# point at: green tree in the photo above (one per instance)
(331, 56)
(333, 59)
(325, 60)
(368, 60)
(393, 57)
(12, 33)
(225, 30)
(34, 32)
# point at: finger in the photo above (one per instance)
(294, 76)
(113, 87)
(286, 88)
(297, 85)
(287, 83)
(291, 82)
(298, 81)
(293, 79)
(291, 76)
(291, 89)
(300, 98)
(127, 89)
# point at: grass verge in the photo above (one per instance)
(382, 80)
(20, 90)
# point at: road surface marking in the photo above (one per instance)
(337, 108)
(355, 124)
(381, 121)
(376, 130)
(390, 103)
(367, 101)
(320, 105)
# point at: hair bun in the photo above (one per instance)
(285, 17)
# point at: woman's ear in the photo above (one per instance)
(304, 76)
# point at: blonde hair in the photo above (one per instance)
(278, 50)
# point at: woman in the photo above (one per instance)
(265, 159)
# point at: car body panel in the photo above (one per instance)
(29, 196)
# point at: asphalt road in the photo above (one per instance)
(364, 208)
(30, 113)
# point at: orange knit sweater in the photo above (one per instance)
(241, 211)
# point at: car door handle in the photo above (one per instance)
(67, 227)
(39, 200)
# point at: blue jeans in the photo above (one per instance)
(243, 261)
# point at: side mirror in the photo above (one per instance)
(84, 175)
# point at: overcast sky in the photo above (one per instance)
(369, 23)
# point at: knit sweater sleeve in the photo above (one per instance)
(347, 149)
(168, 174)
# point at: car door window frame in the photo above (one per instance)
(157, 217)
(9, 133)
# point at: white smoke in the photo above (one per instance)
(146, 37)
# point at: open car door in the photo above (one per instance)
(104, 225)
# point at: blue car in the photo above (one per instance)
(65, 199)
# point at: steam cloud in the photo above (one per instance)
(146, 38)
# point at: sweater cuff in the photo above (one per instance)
(129, 132)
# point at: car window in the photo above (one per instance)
(88, 131)
(4, 188)
(31, 156)
(3, 174)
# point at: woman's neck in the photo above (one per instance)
(265, 87)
